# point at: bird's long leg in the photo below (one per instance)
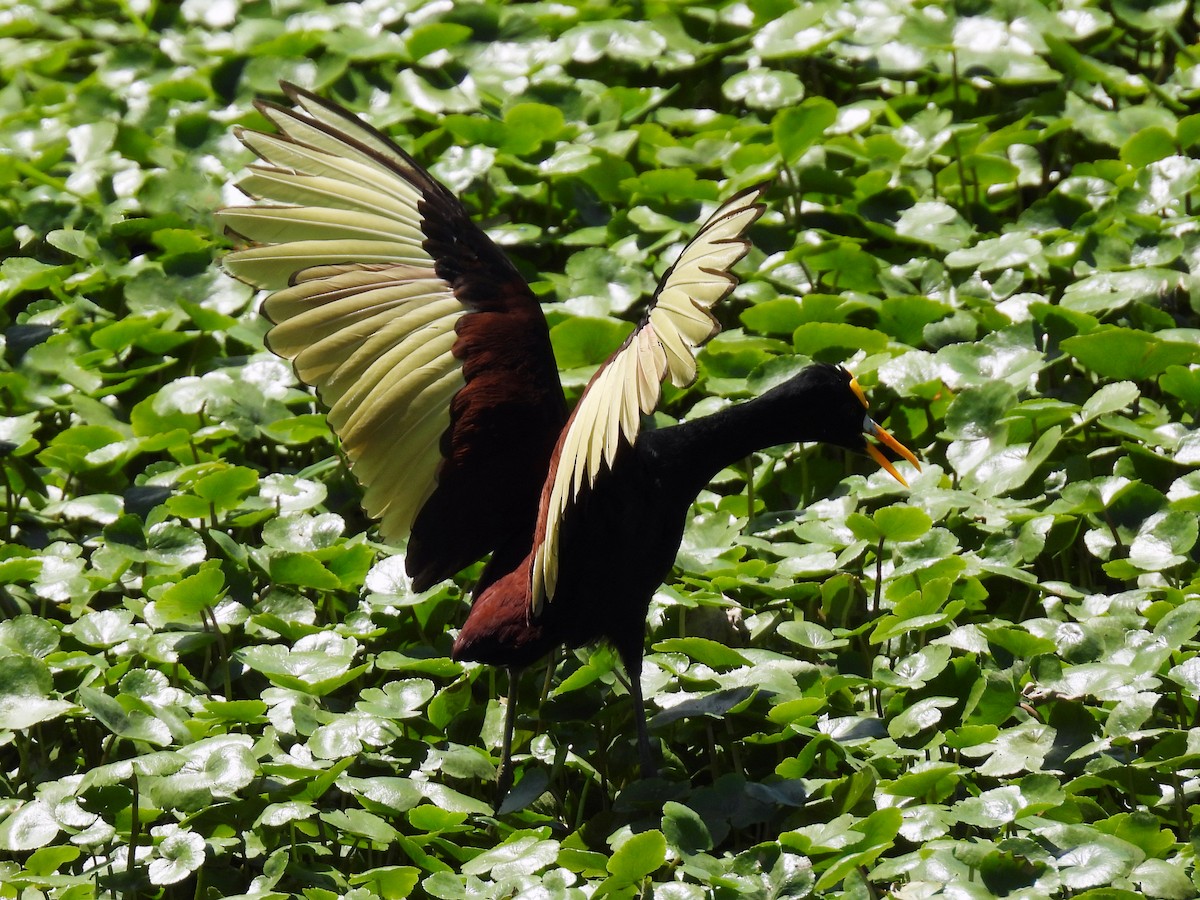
(551, 665)
(633, 666)
(504, 773)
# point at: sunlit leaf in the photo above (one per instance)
(180, 854)
(185, 600)
(765, 89)
(28, 826)
(122, 717)
(935, 223)
(1127, 353)
(638, 856)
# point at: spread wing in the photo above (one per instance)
(426, 344)
(630, 382)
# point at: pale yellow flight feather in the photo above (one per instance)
(357, 305)
(630, 384)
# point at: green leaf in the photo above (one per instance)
(28, 827)
(433, 820)
(585, 862)
(1128, 354)
(811, 634)
(918, 717)
(298, 429)
(303, 570)
(184, 601)
(1153, 17)
(215, 767)
(638, 856)
(18, 273)
(394, 795)
(361, 824)
(702, 650)
(180, 854)
(925, 779)
(317, 664)
(795, 33)
(1147, 146)
(517, 856)
(1188, 131)
(49, 859)
(430, 37)
(176, 242)
(105, 628)
(1183, 383)
(634, 41)
(684, 830)
(1103, 291)
(1161, 878)
(70, 449)
(1109, 399)
(902, 523)
(796, 128)
(236, 710)
(764, 89)
(1096, 863)
(863, 527)
(25, 686)
(453, 801)
(76, 243)
(123, 717)
(1008, 251)
(581, 341)
(279, 814)
(391, 882)
(934, 223)
(992, 809)
(782, 315)
(164, 544)
(19, 430)
(398, 699)
(830, 341)
(1179, 625)
(138, 331)
(1020, 643)
(529, 125)
(1163, 539)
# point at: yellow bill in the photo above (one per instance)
(872, 429)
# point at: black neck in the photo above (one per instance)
(687, 456)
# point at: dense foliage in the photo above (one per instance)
(213, 682)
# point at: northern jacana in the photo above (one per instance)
(434, 358)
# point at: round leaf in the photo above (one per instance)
(764, 89)
(638, 856)
(684, 829)
(179, 855)
(30, 826)
(902, 523)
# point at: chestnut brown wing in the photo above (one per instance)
(426, 344)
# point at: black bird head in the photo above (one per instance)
(833, 410)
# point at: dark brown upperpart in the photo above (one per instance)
(495, 454)
(503, 422)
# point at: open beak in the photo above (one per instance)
(870, 428)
